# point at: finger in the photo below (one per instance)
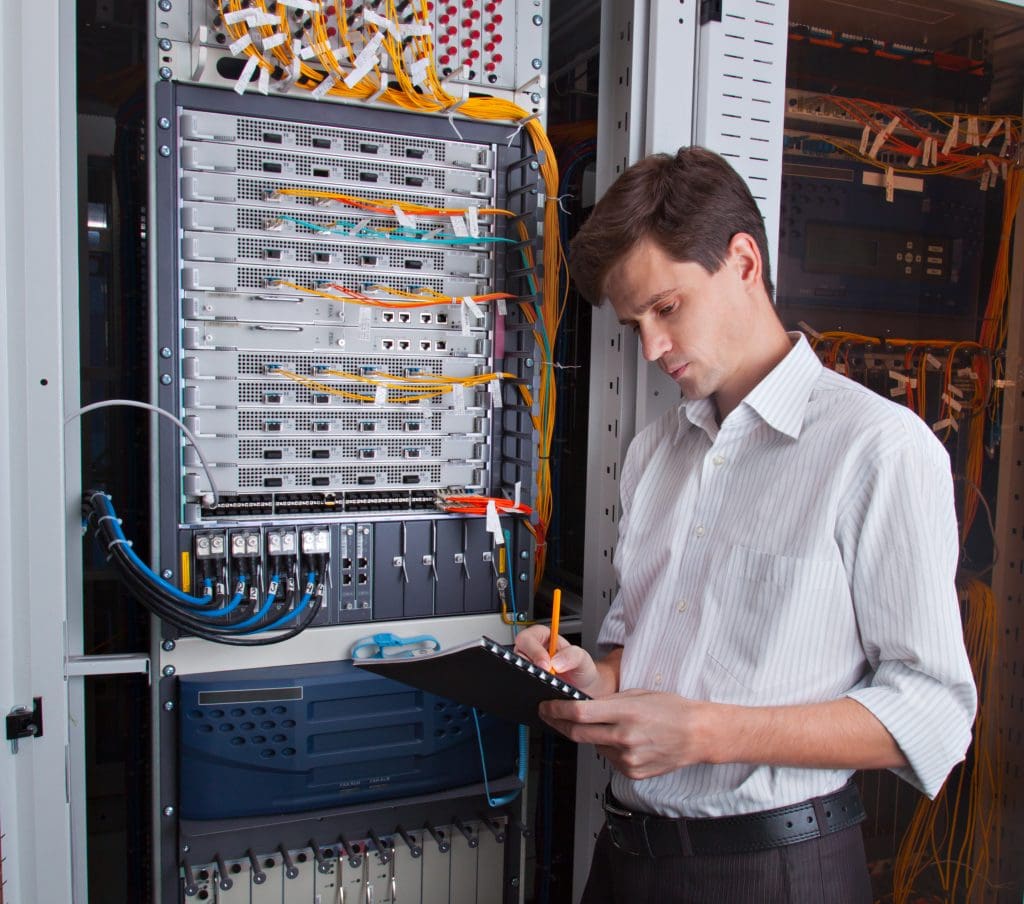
(570, 658)
(532, 644)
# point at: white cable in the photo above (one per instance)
(131, 403)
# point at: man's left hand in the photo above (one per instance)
(641, 733)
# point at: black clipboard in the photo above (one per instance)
(481, 673)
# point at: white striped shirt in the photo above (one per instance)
(803, 551)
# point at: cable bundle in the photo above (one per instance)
(958, 833)
(199, 616)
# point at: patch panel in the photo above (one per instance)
(487, 43)
(360, 172)
(340, 254)
(227, 336)
(251, 131)
(267, 218)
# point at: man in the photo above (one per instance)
(786, 558)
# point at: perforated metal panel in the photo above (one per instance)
(740, 103)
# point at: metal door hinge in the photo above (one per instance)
(25, 723)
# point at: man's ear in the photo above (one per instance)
(745, 256)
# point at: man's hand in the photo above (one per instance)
(641, 733)
(646, 733)
(574, 664)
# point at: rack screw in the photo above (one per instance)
(164, 44)
(535, 97)
(165, 352)
(168, 811)
(536, 63)
(168, 645)
(538, 20)
(165, 5)
(166, 379)
(165, 151)
(169, 705)
(168, 671)
(164, 122)
(529, 362)
(522, 575)
(165, 72)
(167, 574)
(523, 554)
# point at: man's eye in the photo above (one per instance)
(665, 311)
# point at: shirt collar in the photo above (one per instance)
(780, 399)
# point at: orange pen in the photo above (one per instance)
(556, 605)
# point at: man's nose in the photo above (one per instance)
(654, 342)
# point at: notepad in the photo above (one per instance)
(481, 673)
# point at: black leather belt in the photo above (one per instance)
(659, 836)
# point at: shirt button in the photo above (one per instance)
(718, 461)
(657, 678)
(699, 531)
(681, 606)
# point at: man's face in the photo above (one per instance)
(692, 323)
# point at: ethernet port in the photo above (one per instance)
(425, 345)
(404, 317)
(442, 317)
(363, 578)
(440, 345)
(413, 426)
(346, 562)
(388, 316)
(403, 345)
(367, 453)
(346, 579)
(361, 562)
(426, 318)
(387, 344)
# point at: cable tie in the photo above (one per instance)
(236, 47)
(243, 80)
(119, 540)
(561, 206)
(520, 125)
(380, 90)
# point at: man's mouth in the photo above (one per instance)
(677, 372)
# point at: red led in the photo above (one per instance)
(466, 42)
(490, 67)
(475, 35)
(452, 10)
(498, 18)
(475, 14)
(332, 31)
(331, 11)
(489, 26)
(497, 39)
(443, 59)
(466, 23)
(468, 4)
(490, 7)
(497, 58)
(489, 46)
(430, 5)
(443, 19)
(451, 29)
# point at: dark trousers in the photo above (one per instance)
(827, 870)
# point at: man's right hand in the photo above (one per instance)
(572, 663)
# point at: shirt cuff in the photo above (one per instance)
(929, 720)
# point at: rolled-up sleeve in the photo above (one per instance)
(900, 546)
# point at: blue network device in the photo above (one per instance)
(324, 735)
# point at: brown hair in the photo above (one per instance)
(690, 204)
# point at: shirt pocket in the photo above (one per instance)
(774, 618)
